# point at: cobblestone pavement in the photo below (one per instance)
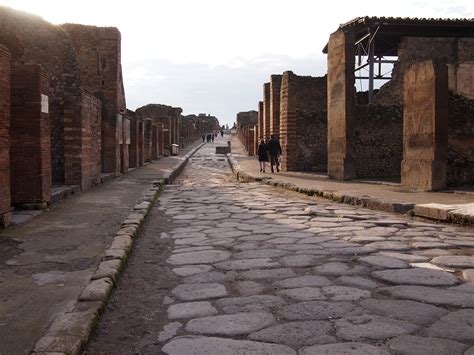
(251, 269)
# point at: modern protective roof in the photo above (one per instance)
(392, 29)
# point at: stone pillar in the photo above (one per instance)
(141, 142)
(30, 137)
(133, 149)
(260, 120)
(5, 198)
(147, 137)
(251, 140)
(341, 105)
(266, 111)
(154, 142)
(425, 126)
(125, 146)
(275, 87)
(287, 123)
(161, 140)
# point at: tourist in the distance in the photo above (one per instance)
(203, 138)
(262, 155)
(274, 148)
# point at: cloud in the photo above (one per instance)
(221, 90)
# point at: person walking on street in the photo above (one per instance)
(274, 149)
(203, 138)
(262, 155)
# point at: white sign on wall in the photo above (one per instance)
(44, 103)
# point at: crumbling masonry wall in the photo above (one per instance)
(266, 111)
(460, 157)
(30, 146)
(247, 128)
(303, 122)
(98, 52)
(5, 199)
(275, 88)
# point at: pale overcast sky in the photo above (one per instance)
(214, 55)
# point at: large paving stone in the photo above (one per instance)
(272, 274)
(191, 310)
(300, 260)
(456, 261)
(411, 311)
(208, 277)
(199, 257)
(457, 325)
(248, 288)
(303, 281)
(296, 334)
(431, 295)
(356, 281)
(262, 253)
(344, 293)
(338, 269)
(250, 303)
(191, 270)
(410, 258)
(383, 262)
(218, 346)
(371, 327)
(468, 275)
(351, 348)
(411, 345)
(246, 264)
(417, 276)
(395, 246)
(231, 324)
(303, 293)
(315, 310)
(191, 292)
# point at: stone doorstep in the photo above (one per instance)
(69, 338)
(450, 213)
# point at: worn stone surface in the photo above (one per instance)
(353, 348)
(191, 310)
(456, 261)
(191, 292)
(232, 324)
(250, 303)
(417, 276)
(315, 310)
(411, 311)
(383, 262)
(371, 327)
(303, 281)
(219, 346)
(410, 344)
(431, 295)
(296, 334)
(199, 257)
(457, 325)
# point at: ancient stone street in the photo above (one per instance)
(223, 267)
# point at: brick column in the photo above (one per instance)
(425, 126)
(260, 120)
(154, 142)
(147, 137)
(287, 123)
(30, 153)
(275, 87)
(266, 111)
(134, 148)
(5, 198)
(341, 105)
(124, 147)
(141, 142)
(161, 140)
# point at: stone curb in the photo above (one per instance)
(431, 211)
(69, 332)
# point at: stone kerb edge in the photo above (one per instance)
(69, 332)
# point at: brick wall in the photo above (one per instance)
(85, 152)
(30, 39)
(260, 120)
(30, 138)
(5, 199)
(378, 137)
(98, 52)
(141, 142)
(161, 140)
(154, 142)
(244, 121)
(134, 146)
(458, 52)
(147, 140)
(304, 143)
(275, 87)
(266, 110)
(460, 158)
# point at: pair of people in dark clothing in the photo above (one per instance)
(272, 149)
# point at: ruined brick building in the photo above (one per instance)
(417, 128)
(247, 130)
(64, 124)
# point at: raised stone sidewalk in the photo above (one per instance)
(449, 206)
(58, 269)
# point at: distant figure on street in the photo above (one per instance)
(222, 133)
(274, 148)
(208, 137)
(262, 155)
(212, 138)
(203, 138)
